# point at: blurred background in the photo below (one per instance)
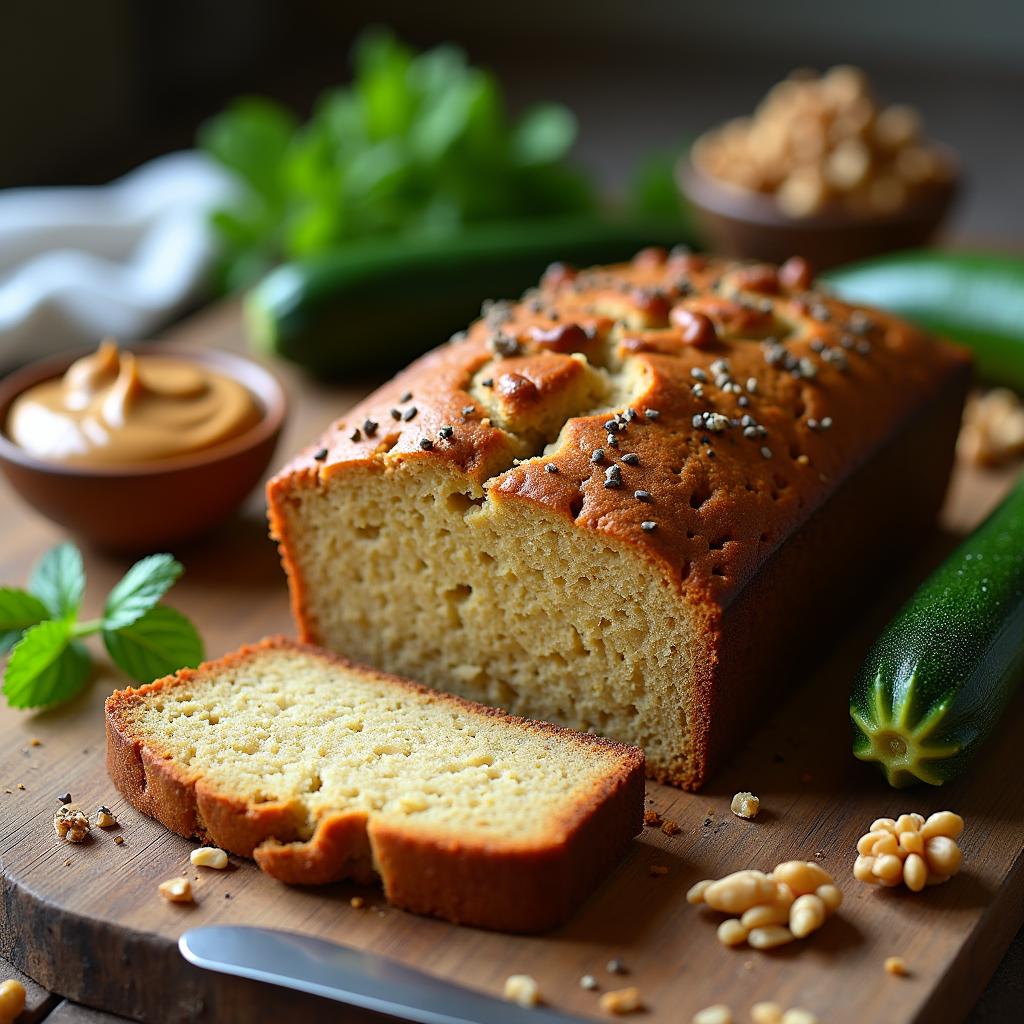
(91, 90)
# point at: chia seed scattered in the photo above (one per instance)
(808, 369)
(821, 312)
(612, 426)
(612, 440)
(407, 397)
(817, 345)
(613, 478)
(320, 455)
(487, 382)
(652, 414)
(64, 798)
(370, 427)
(356, 435)
(504, 344)
(698, 420)
(616, 967)
(426, 444)
(710, 453)
(409, 413)
(597, 456)
(396, 414)
(630, 414)
(826, 422)
(698, 390)
(446, 432)
(644, 496)
(716, 422)
(698, 374)
(846, 341)
(766, 452)
(588, 982)
(743, 402)
(468, 410)
(550, 468)
(752, 385)
(860, 322)
(812, 424)
(631, 459)
(863, 347)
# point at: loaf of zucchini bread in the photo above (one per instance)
(628, 502)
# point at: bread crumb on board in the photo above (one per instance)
(896, 965)
(522, 989)
(209, 857)
(622, 1000)
(745, 805)
(12, 1000)
(717, 1014)
(177, 890)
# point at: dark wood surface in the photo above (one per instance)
(87, 923)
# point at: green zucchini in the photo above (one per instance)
(974, 298)
(934, 685)
(376, 304)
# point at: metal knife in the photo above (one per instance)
(350, 976)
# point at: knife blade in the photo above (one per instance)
(350, 976)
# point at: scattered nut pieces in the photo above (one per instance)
(176, 890)
(652, 818)
(209, 857)
(745, 805)
(766, 1013)
(105, 817)
(71, 824)
(118, 840)
(896, 965)
(911, 850)
(12, 1000)
(670, 828)
(993, 428)
(35, 742)
(717, 1014)
(770, 910)
(794, 1015)
(357, 903)
(621, 1000)
(522, 989)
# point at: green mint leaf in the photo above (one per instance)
(158, 643)
(545, 134)
(45, 666)
(58, 580)
(18, 611)
(139, 590)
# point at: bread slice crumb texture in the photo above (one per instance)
(284, 724)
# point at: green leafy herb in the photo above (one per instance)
(59, 580)
(48, 662)
(418, 143)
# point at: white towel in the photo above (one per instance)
(79, 264)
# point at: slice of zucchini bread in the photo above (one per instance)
(627, 502)
(324, 770)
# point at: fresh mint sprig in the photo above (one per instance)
(48, 662)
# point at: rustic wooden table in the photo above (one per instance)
(86, 922)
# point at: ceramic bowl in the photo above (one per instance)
(749, 225)
(144, 507)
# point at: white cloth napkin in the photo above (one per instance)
(79, 264)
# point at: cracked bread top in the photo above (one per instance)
(696, 409)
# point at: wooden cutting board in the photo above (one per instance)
(87, 923)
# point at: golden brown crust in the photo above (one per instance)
(503, 886)
(861, 372)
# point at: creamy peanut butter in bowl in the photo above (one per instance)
(137, 448)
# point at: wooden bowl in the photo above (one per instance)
(147, 506)
(749, 225)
